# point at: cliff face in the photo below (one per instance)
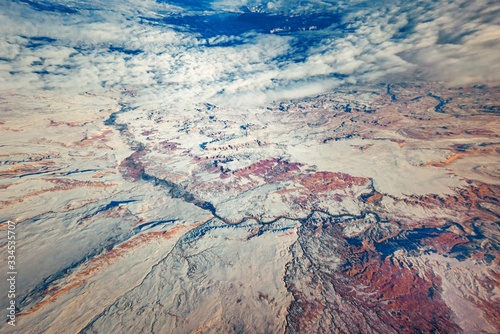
(368, 210)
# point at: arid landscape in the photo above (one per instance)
(212, 168)
(345, 211)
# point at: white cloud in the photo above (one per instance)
(445, 40)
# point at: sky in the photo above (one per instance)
(243, 52)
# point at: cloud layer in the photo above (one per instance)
(240, 52)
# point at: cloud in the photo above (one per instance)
(131, 44)
(461, 45)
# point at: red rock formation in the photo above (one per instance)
(443, 243)
(168, 145)
(28, 168)
(103, 260)
(272, 170)
(89, 141)
(367, 293)
(131, 168)
(326, 181)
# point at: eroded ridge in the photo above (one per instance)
(343, 213)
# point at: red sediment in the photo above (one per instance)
(465, 199)
(444, 242)
(28, 168)
(131, 168)
(4, 224)
(375, 198)
(61, 185)
(270, 170)
(326, 181)
(101, 174)
(169, 145)
(104, 259)
(480, 132)
(411, 300)
(71, 124)
(302, 188)
(307, 311)
(64, 184)
(364, 291)
(87, 141)
(483, 151)
(447, 161)
(491, 308)
(148, 132)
